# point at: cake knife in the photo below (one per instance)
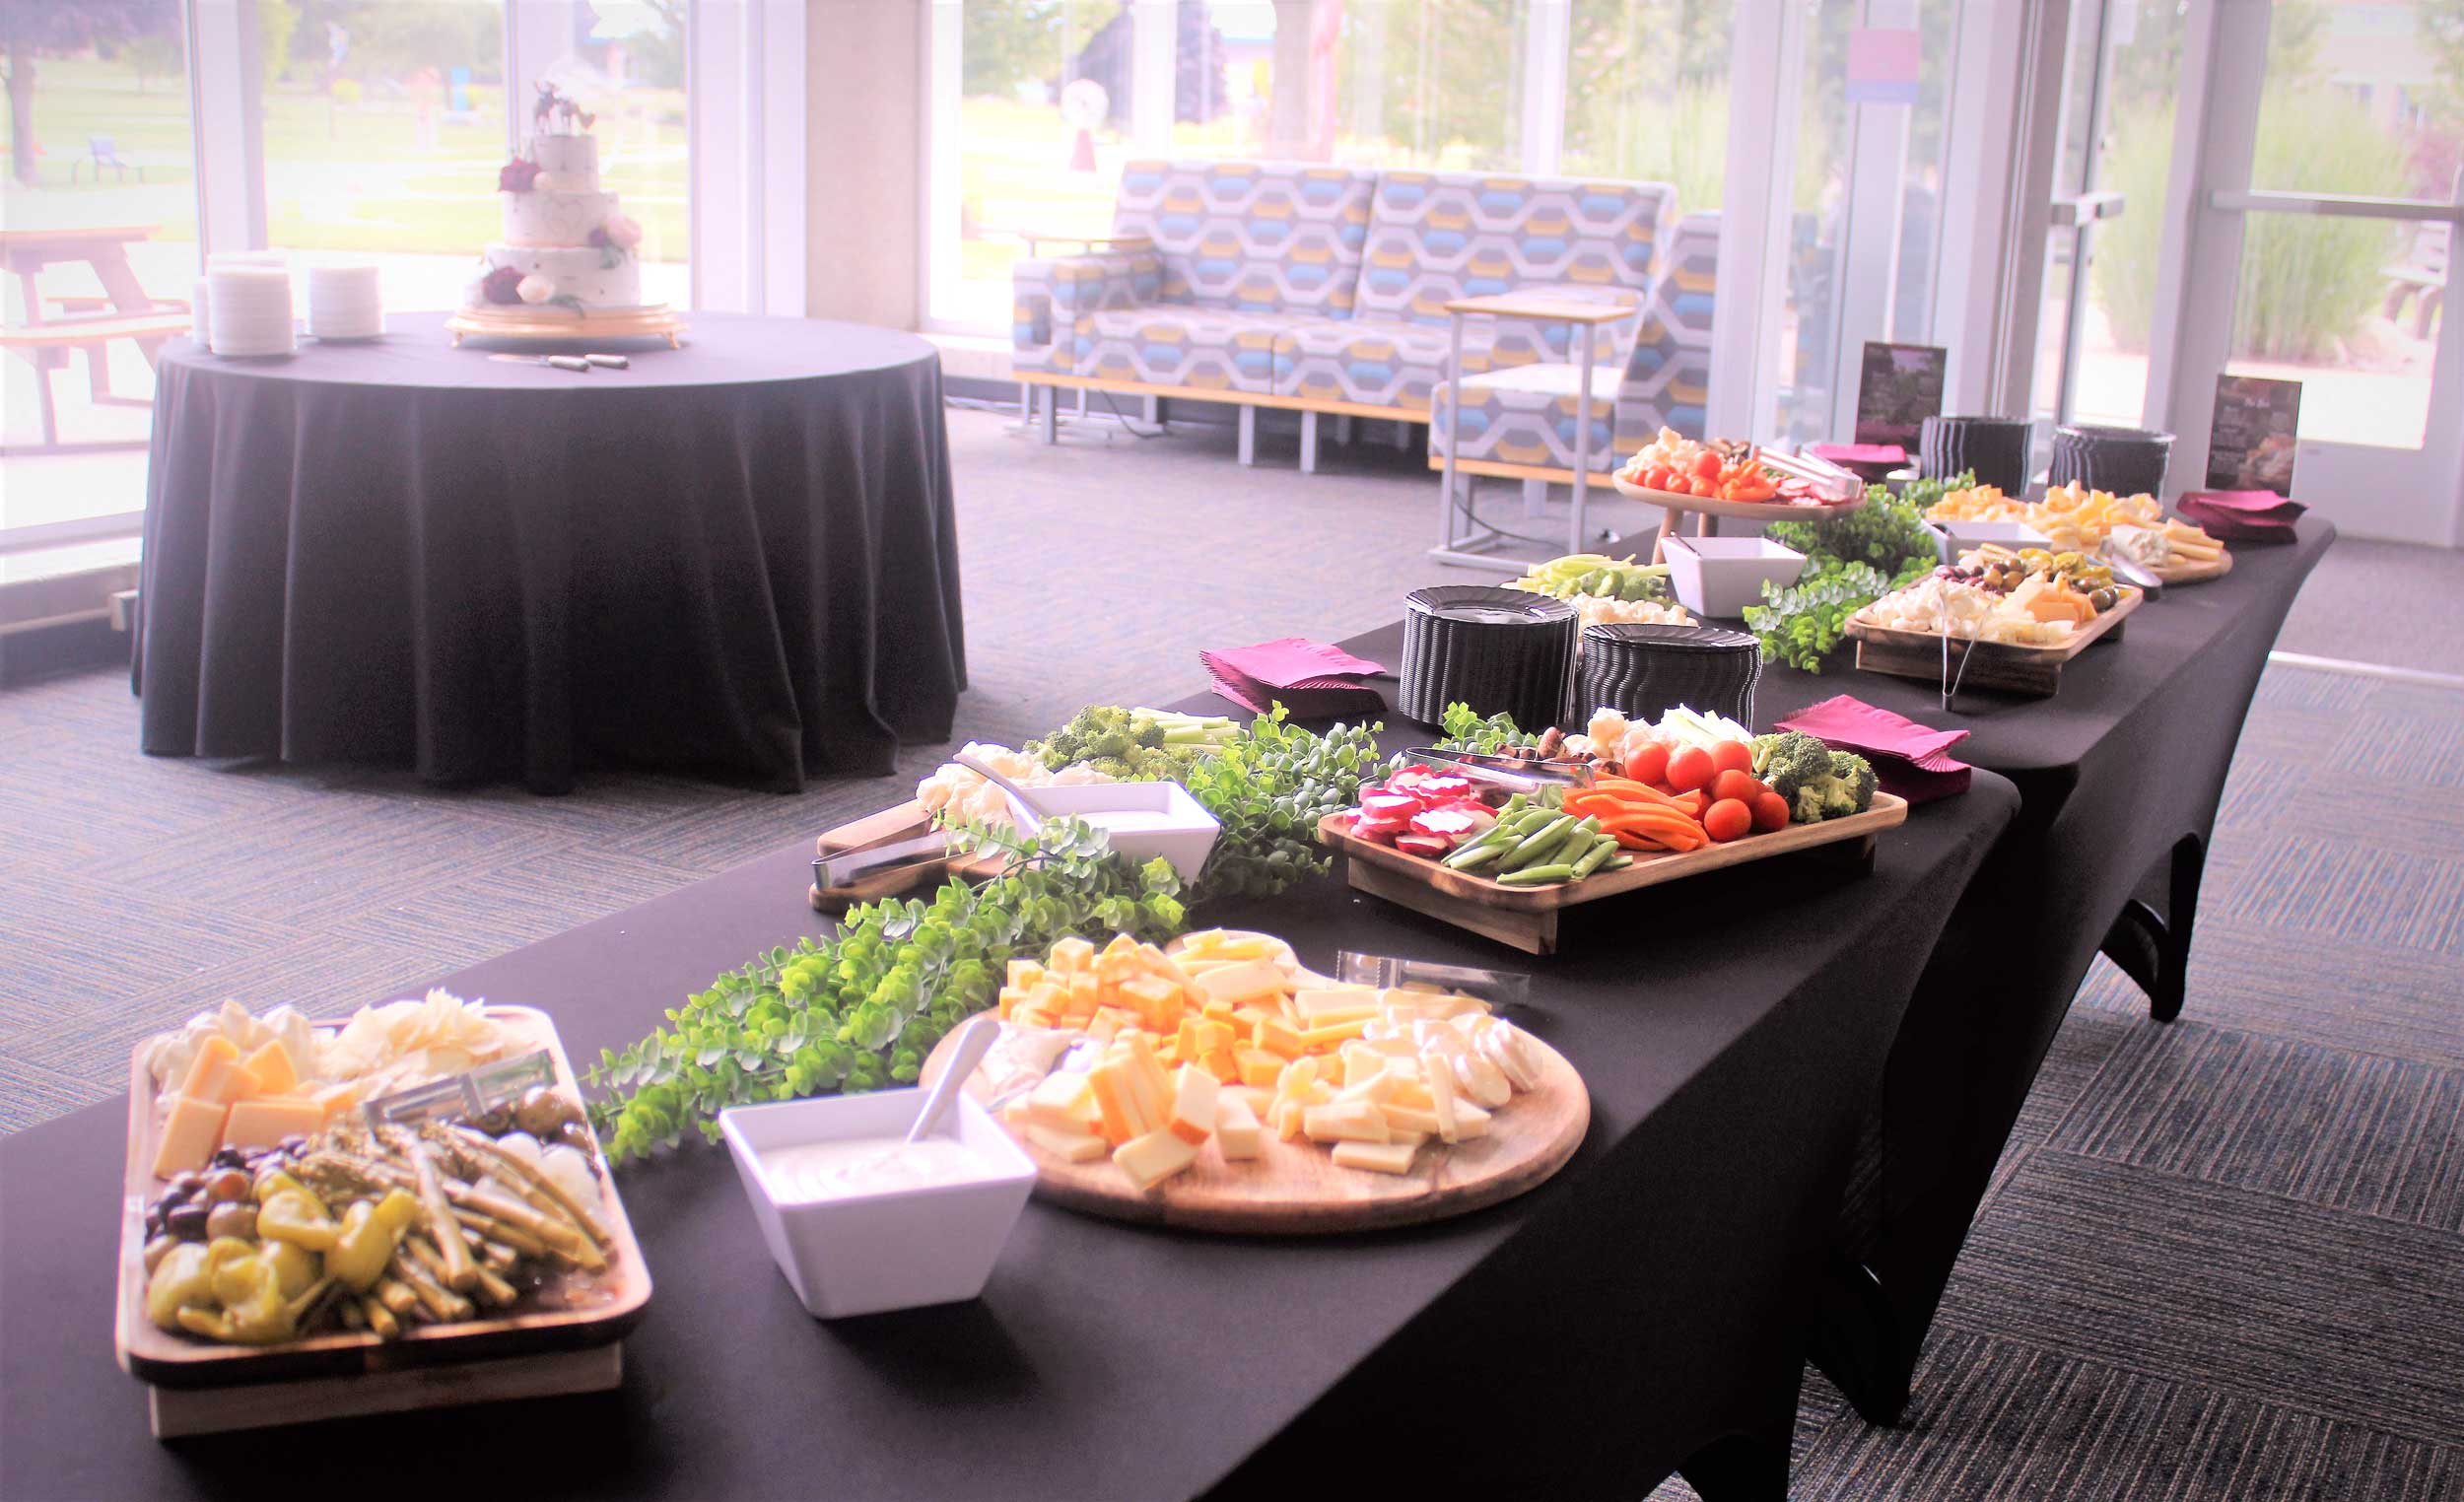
(561, 362)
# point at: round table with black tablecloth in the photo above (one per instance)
(737, 559)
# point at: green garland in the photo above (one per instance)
(1851, 562)
(860, 1010)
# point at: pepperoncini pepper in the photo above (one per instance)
(370, 1233)
(182, 1280)
(254, 1310)
(295, 1268)
(292, 1214)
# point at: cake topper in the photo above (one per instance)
(554, 112)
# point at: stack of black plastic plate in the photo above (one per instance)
(1643, 670)
(1498, 651)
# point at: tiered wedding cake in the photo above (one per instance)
(565, 241)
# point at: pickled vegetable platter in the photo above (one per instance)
(345, 1249)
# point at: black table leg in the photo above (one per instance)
(2154, 949)
(1856, 1343)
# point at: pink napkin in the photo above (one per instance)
(1909, 759)
(1861, 453)
(1313, 679)
(2241, 515)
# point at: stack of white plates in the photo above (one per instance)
(343, 302)
(248, 309)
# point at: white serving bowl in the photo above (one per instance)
(1721, 575)
(1957, 537)
(900, 1248)
(1183, 836)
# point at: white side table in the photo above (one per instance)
(1577, 379)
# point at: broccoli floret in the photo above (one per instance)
(1844, 787)
(1098, 732)
(1789, 760)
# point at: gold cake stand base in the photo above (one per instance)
(656, 321)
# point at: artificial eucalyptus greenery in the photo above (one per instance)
(860, 1010)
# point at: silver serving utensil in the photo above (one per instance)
(847, 868)
(610, 361)
(1514, 773)
(2131, 571)
(1077, 1059)
(973, 1040)
(580, 363)
(1018, 795)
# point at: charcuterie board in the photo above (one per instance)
(2195, 573)
(1295, 1189)
(906, 821)
(1703, 507)
(2006, 666)
(539, 1350)
(1525, 918)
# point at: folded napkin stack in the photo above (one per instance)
(1909, 759)
(2241, 515)
(1867, 462)
(1311, 679)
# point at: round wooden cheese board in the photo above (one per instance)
(1297, 1187)
(1677, 506)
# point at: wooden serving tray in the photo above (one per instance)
(171, 1361)
(1298, 1188)
(904, 822)
(1527, 917)
(1703, 507)
(2005, 666)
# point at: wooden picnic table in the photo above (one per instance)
(126, 310)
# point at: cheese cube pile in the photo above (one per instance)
(1221, 1040)
(227, 1099)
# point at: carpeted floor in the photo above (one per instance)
(2223, 1258)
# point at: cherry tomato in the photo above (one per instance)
(1690, 768)
(1708, 467)
(1770, 811)
(1726, 820)
(1733, 756)
(1649, 765)
(1733, 783)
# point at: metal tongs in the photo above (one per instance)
(2131, 571)
(1515, 774)
(846, 867)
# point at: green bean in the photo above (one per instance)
(1533, 844)
(1618, 862)
(1478, 852)
(1603, 848)
(1535, 875)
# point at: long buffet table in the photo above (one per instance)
(1643, 1311)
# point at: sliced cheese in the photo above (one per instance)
(1377, 1157)
(191, 1134)
(1237, 1132)
(1151, 1159)
(1062, 1102)
(216, 1073)
(272, 1069)
(1344, 1122)
(1194, 1105)
(268, 1119)
(1068, 1146)
(1250, 981)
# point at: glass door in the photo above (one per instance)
(2329, 197)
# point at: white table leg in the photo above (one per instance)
(1308, 442)
(1582, 442)
(1052, 413)
(1453, 432)
(1248, 434)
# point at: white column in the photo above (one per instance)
(226, 90)
(778, 189)
(944, 82)
(1154, 73)
(1766, 60)
(1877, 158)
(1547, 31)
(2199, 270)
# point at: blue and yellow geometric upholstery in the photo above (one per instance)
(1054, 302)
(1664, 381)
(1206, 349)
(1372, 361)
(1259, 237)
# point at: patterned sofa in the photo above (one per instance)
(1323, 290)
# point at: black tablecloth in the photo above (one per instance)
(2119, 776)
(1644, 1309)
(738, 558)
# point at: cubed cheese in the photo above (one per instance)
(1151, 1159)
(216, 1073)
(272, 1069)
(1377, 1157)
(1237, 1132)
(191, 1134)
(1194, 1105)
(1258, 1066)
(268, 1119)
(1278, 1037)
(1329, 1033)
(1337, 1002)
(1068, 1146)
(1116, 1100)
(1072, 954)
(1257, 1100)
(1023, 974)
(336, 1101)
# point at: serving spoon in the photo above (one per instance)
(975, 1040)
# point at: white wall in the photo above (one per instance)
(864, 165)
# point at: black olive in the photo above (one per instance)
(154, 1221)
(186, 1222)
(187, 1181)
(229, 1184)
(293, 1144)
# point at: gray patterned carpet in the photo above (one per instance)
(2222, 1260)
